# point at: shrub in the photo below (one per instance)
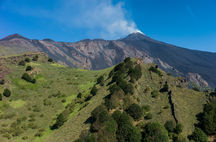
(100, 80)
(28, 78)
(179, 128)
(60, 120)
(7, 92)
(114, 88)
(22, 63)
(126, 60)
(27, 60)
(116, 115)
(135, 111)
(0, 97)
(146, 108)
(155, 70)
(103, 116)
(207, 118)
(154, 94)
(29, 68)
(165, 88)
(126, 131)
(50, 60)
(199, 136)
(2, 82)
(135, 73)
(155, 131)
(94, 90)
(111, 73)
(148, 116)
(79, 95)
(170, 125)
(35, 58)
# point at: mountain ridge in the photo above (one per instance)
(97, 54)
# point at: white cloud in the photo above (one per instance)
(99, 18)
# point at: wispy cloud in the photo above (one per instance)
(98, 17)
(190, 11)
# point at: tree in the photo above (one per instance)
(207, 118)
(29, 68)
(135, 73)
(156, 132)
(135, 111)
(199, 136)
(27, 60)
(22, 63)
(126, 131)
(7, 92)
(170, 125)
(94, 90)
(114, 88)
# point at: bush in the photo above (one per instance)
(79, 95)
(116, 115)
(155, 70)
(27, 60)
(29, 68)
(135, 73)
(61, 118)
(50, 60)
(28, 78)
(126, 131)
(114, 88)
(7, 92)
(170, 125)
(22, 63)
(148, 116)
(2, 82)
(199, 136)
(154, 94)
(165, 88)
(179, 128)
(135, 111)
(35, 58)
(94, 90)
(207, 118)
(100, 80)
(155, 131)
(0, 97)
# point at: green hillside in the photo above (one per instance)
(54, 103)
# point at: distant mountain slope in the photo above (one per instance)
(197, 66)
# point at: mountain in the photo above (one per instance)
(197, 66)
(42, 101)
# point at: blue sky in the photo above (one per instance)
(186, 23)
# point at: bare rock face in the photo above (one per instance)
(197, 79)
(99, 54)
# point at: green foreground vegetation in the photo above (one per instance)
(42, 101)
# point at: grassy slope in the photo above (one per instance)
(53, 78)
(25, 97)
(187, 103)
